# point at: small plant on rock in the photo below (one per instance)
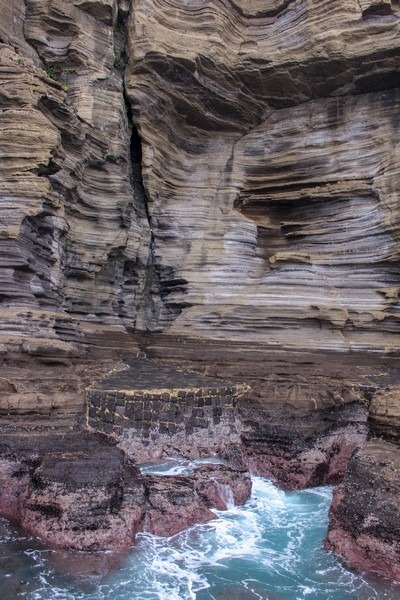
(53, 71)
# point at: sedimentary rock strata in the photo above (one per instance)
(75, 236)
(270, 169)
(270, 163)
(203, 170)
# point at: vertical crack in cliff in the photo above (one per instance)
(147, 275)
(147, 306)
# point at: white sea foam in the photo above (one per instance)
(177, 466)
(270, 548)
(168, 466)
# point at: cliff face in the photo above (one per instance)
(270, 167)
(225, 175)
(271, 161)
(75, 235)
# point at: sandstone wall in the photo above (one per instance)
(271, 163)
(74, 230)
(265, 203)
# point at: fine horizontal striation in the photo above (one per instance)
(73, 227)
(270, 158)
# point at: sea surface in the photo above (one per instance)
(268, 549)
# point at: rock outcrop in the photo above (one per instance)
(153, 411)
(216, 182)
(384, 413)
(75, 492)
(74, 230)
(71, 491)
(365, 514)
(265, 203)
(304, 415)
(270, 161)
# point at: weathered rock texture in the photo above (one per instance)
(303, 417)
(73, 491)
(270, 167)
(208, 170)
(385, 414)
(365, 513)
(153, 410)
(74, 231)
(270, 159)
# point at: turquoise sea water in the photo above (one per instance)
(271, 548)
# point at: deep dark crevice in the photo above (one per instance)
(160, 281)
(266, 13)
(152, 284)
(381, 9)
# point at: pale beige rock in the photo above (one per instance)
(385, 413)
(73, 225)
(271, 166)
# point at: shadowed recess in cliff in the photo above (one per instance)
(161, 283)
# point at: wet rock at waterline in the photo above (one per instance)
(365, 513)
(71, 491)
(315, 453)
(76, 492)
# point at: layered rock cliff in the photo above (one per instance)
(216, 182)
(268, 207)
(75, 233)
(270, 158)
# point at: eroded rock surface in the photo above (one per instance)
(75, 234)
(365, 514)
(268, 208)
(71, 491)
(385, 413)
(271, 166)
(153, 410)
(261, 212)
(74, 491)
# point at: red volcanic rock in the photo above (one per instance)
(177, 502)
(76, 492)
(365, 513)
(73, 492)
(313, 450)
(221, 486)
(173, 505)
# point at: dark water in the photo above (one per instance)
(271, 548)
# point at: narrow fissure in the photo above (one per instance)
(149, 295)
(145, 272)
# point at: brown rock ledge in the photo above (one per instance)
(301, 408)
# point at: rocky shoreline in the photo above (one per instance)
(76, 492)
(212, 185)
(364, 517)
(76, 489)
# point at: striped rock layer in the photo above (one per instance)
(270, 138)
(260, 201)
